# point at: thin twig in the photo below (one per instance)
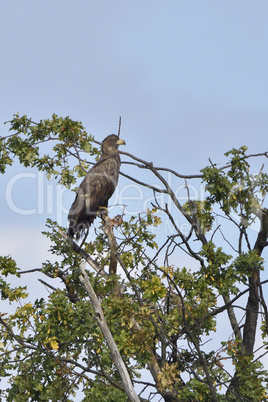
(119, 126)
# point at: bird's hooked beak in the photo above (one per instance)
(120, 142)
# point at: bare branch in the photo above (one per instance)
(115, 355)
(119, 126)
(29, 271)
(147, 166)
(158, 190)
(47, 284)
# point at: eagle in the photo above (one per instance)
(96, 188)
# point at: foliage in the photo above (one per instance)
(161, 315)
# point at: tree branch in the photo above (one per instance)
(254, 284)
(83, 254)
(147, 166)
(115, 355)
(107, 228)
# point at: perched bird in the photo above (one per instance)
(96, 188)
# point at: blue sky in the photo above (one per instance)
(189, 79)
(190, 75)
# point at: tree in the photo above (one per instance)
(138, 307)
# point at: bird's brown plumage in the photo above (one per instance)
(96, 188)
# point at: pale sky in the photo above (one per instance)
(189, 79)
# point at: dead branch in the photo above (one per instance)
(119, 126)
(114, 352)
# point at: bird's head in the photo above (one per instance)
(111, 143)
